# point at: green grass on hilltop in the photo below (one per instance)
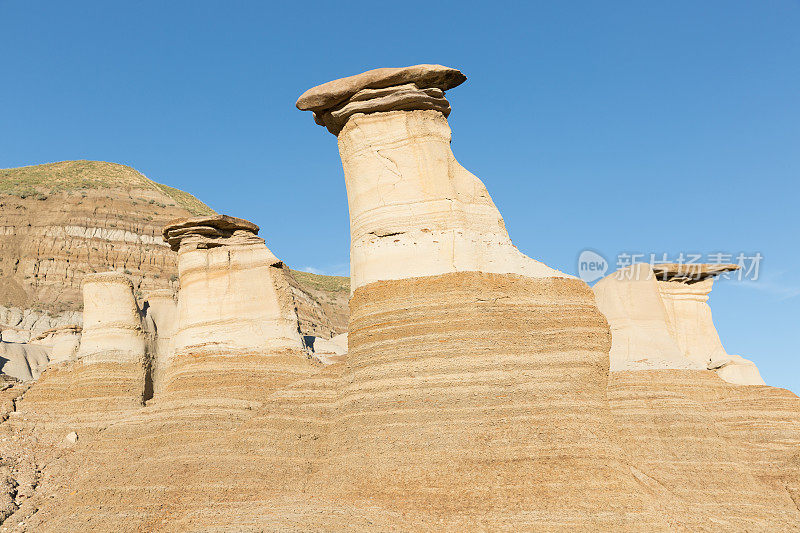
(42, 180)
(185, 200)
(323, 283)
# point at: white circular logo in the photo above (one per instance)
(591, 266)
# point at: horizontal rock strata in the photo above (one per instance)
(475, 394)
(62, 221)
(334, 92)
(715, 456)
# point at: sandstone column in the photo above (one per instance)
(231, 294)
(685, 296)
(414, 210)
(162, 321)
(110, 372)
(235, 310)
(474, 387)
(112, 325)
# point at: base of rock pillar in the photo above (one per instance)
(483, 395)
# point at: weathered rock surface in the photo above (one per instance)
(234, 293)
(660, 319)
(112, 322)
(161, 321)
(716, 456)
(462, 352)
(334, 92)
(62, 221)
(321, 302)
(23, 361)
(468, 400)
(407, 97)
(24, 325)
(414, 210)
(327, 351)
(63, 341)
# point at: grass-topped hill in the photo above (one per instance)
(52, 178)
(323, 283)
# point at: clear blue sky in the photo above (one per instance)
(617, 126)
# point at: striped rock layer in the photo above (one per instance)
(475, 394)
(468, 401)
(437, 419)
(715, 456)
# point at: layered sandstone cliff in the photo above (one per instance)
(470, 399)
(61, 222)
(708, 438)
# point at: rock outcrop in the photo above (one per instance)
(63, 342)
(234, 294)
(23, 361)
(716, 456)
(468, 399)
(660, 318)
(379, 90)
(414, 210)
(712, 452)
(112, 324)
(235, 309)
(161, 321)
(60, 222)
(462, 351)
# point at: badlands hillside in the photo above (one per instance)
(480, 389)
(62, 221)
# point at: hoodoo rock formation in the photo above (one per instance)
(112, 330)
(474, 391)
(414, 210)
(475, 394)
(234, 294)
(60, 222)
(235, 307)
(660, 318)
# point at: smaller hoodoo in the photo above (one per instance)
(660, 318)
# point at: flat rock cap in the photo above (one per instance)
(334, 92)
(697, 271)
(221, 222)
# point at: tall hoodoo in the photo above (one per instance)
(462, 350)
(414, 210)
(233, 294)
(660, 319)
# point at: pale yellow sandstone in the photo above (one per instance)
(660, 319)
(161, 320)
(112, 324)
(234, 295)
